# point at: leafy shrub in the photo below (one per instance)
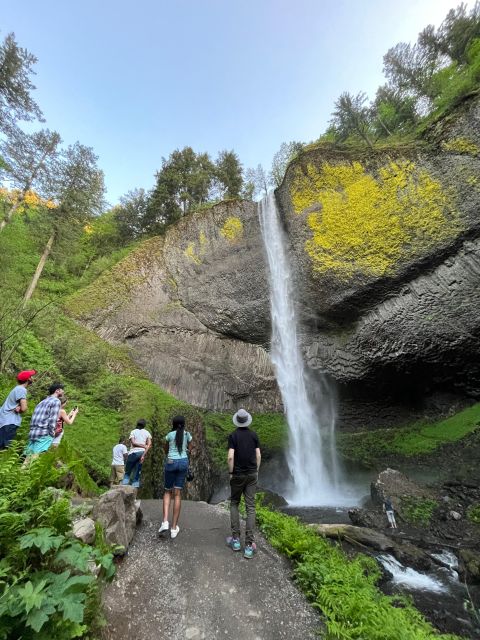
(78, 361)
(344, 590)
(473, 513)
(418, 511)
(47, 589)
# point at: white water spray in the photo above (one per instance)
(311, 454)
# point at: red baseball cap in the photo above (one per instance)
(24, 376)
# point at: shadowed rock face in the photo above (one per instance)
(193, 308)
(385, 248)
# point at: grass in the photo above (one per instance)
(420, 438)
(271, 429)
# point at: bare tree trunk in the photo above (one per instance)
(389, 133)
(5, 221)
(39, 269)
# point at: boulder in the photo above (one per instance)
(84, 530)
(396, 485)
(116, 512)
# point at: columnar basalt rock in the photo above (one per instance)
(384, 246)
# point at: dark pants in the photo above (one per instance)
(7, 434)
(133, 460)
(245, 485)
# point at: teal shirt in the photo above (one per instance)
(172, 447)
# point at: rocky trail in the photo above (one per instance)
(194, 587)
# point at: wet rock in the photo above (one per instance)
(471, 562)
(272, 499)
(368, 518)
(116, 512)
(84, 530)
(362, 535)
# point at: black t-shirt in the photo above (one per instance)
(244, 442)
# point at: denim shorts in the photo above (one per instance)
(175, 473)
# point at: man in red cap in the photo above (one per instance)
(13, 407)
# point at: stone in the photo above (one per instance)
(84, 530)
(454, 515)
(396, 485)
(115, 511)
(138, 512)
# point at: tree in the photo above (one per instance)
(410, 68)
(30, 164)
(455, 35)
(392, 112)
(131, 213)
(16, 70)
(183, 183)
(352, 117)
(79, 191)
(257, 182)
(287, 151)
(228, 175)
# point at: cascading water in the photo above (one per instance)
(311, 454)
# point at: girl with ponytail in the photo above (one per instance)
(178, 444)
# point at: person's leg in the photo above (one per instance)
(166, 504)
(136, 480)
(132, 461)
(9, 434)
(249, 492)
(3, 433)
(119, 472)
(177, 504)
(236, 489)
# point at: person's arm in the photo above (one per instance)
(230, 459)
(258, 457)
(140, 445)
(21, 406)
(68, 418)
(54, 413)
(148, 444)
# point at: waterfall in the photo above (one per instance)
(311, 453)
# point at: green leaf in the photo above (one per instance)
(73, 607)
(43, 538)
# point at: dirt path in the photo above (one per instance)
(195, 587)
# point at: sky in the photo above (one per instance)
(136, 80)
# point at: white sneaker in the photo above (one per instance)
(165, 527)
(174, 532)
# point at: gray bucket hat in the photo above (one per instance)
(242, 418)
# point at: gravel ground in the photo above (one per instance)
(195, 587)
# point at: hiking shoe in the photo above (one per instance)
(174, 532)
(234, 543)
(136, 484)
(249, 550)
(164, 527)
(126, 480)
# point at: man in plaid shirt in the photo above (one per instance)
(44, 419)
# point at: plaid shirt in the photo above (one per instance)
(44, 418)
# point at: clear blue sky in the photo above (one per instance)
(136, 80)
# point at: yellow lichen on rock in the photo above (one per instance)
(367, 224)
(461, 145)
(191, 254)
(232, 229)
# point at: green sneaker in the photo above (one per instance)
(234, 543)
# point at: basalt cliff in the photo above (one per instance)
(385, 249)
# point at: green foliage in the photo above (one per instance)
(344, 590)
(417, 439)
(418, 511)
(46, 586)
(271, 429)
(473, 513)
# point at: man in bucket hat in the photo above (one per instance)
(243, 464)
(13, 407)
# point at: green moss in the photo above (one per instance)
(420, 438)
(418, 511)
(473, 513)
